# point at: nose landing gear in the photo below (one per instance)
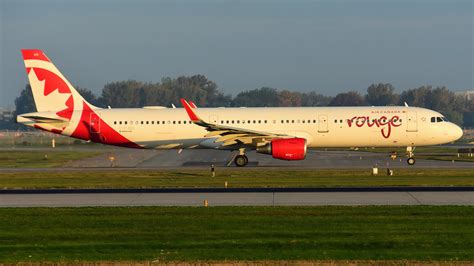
(410, 160)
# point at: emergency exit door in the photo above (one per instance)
(214, 119)
(323, 124)
(94, 123)
(412, 121)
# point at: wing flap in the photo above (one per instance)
(230, 135)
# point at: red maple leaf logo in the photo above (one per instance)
(56, 88)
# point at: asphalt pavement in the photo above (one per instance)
(240, 197)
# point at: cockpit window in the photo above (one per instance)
(438, 119)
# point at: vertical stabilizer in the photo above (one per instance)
(52, 92)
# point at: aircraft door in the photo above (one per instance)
(94, 123)
(412, 123)
(213, 119)
(323, 124)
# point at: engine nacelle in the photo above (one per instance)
(285, 149)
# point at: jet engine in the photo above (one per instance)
(291, 149)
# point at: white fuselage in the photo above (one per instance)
(165, 128)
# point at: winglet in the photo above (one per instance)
(190, 111)
(192, 104)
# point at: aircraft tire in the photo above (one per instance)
(411, 161)
(241, 160)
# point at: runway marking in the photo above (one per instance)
(411, 195)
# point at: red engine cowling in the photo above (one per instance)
(285, 149)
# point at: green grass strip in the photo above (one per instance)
(237, 233)
(235, 178)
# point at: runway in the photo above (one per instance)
(239, 197)
(315, 159)
(203, 158)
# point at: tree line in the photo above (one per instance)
(205, 93)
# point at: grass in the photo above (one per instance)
(41, 159)
(236, 233)
(235, 178)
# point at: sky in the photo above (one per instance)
(327, 46)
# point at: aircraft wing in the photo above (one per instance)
(230, 135)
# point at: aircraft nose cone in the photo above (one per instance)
(457, 132)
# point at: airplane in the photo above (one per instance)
(285, 133)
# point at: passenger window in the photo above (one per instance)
(115, 122)
(125, 122)
(142, 122)
(184, 122)
(157, 122)
(282, 121)
(147, 122)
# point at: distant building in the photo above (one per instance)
(6, 114)
(468, 94)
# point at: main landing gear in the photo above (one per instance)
(410, 160)
(241, 159)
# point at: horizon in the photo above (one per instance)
(325, 46)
